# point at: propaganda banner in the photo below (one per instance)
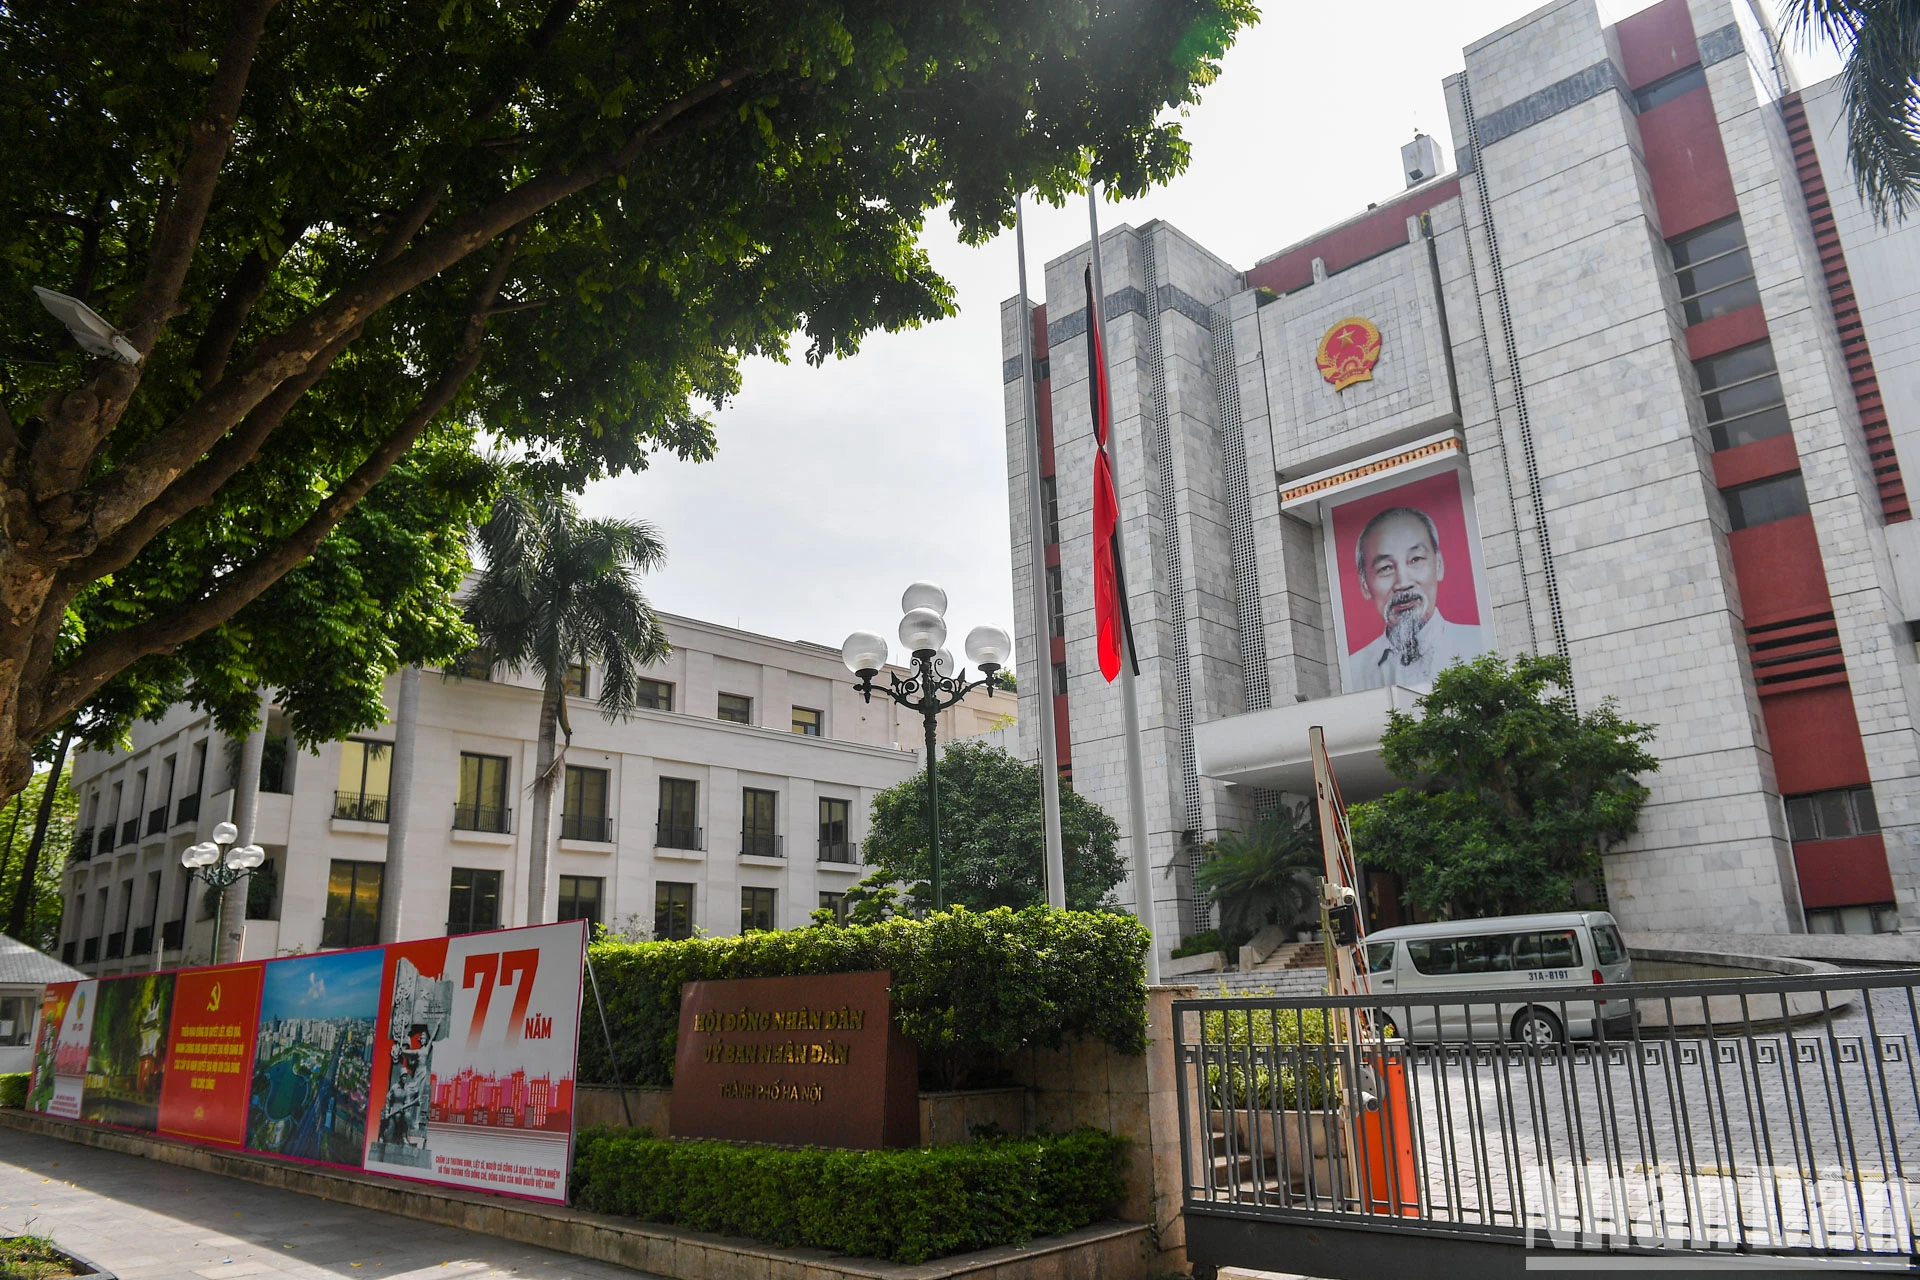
(127, 1050)
(59, 1092)
(209, 1067)
(474, 1062)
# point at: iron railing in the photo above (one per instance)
(173, 935)
(82, 845)
(90, 950)
(142, 940)
(116, 944)
(358, 806)
(666, 835)
(1769, 1116)
(130, 831)
(157, 820)
(479, 817)
(839, 851)
(763, 844)
(67, 950)
(106, 838)
(188, 810)
(584, 826)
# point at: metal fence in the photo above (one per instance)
(1768, 1116)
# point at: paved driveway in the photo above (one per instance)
(148, 1221)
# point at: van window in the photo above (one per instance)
(1379, 957)
(1607, 948)
(1439, 957)
(1553, 949)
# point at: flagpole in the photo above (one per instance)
(1042, 673)
(1129, 699)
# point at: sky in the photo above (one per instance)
(835, 487)
(345, 984)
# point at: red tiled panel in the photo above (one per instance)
(1749, 462)
(1843, 873)
(1053, 554)
(1780, 572)
(1816, 740)
(1656, 42)
(1687, 164)
(1062, 734)
(1057, 652)
(1382, 229)
(1724, 333)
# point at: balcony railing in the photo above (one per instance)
(173, 934)
(82, 845)
(106, 838)
(89, 951)
(157, 820)
(358, 806)
(188, 810)
(129, 831)
(839, 851)
(482, 817)
(584, 826)
(116, 945)
(142, 940)
(668, 836)
(762, 844)
(67, 952)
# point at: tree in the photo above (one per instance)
(38, 879)
(992, 836)
(1514, 793)
(558, 589)
(340, 237)
(1881, 41)
(1268, 874)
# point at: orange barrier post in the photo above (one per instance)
(1387, 1134)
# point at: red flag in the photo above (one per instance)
(1107, 607)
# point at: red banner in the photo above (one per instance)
(210, 1054)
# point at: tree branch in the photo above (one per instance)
(236, 304)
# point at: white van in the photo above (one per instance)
(1566, 949)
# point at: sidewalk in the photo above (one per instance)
(147, 1221)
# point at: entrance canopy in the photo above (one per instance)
(1269, 748)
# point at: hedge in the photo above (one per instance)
(13, 1088)
(905, 1206)
(966, 984)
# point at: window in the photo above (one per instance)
(583, 806)
(366, 768)
(836, 903)
(678, 800)
(672, 910)
(1741, 391)
(1882, 917)
(188, 810)
(1549, 949)
(1059, 679)
(473, 904)
(833, 831)
(474, 664)
(736, 708)
(1673, 86)
(806, 722)
(1379, 957)
(1765, 501)
(16, 1020)
(580, 899)
(483, 794)
(1042, 369)
(756, 909)
(655, 695)
(1050, 505)
(353, 904)
(1607, 947)
(1056, 603)
(1714, 271)
(1493, 954)
(575, 680)
(1832, 815)
(757, 810)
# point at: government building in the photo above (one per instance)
(1631, 377)
(737, 799)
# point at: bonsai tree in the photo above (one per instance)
(1513, 793)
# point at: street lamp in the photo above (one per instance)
(221, 867)
(935, 684)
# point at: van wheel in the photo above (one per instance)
(1538, 1029)
(1384, 1026)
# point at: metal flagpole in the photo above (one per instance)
(1042, 673)
(1129, 700)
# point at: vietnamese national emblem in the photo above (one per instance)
(1348, 352)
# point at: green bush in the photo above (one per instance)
(966, 985)
(13, 1088)
(905, 1206)
(1293, 1046)
(1199, 944)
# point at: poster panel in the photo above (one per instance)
(70, 1051)
(127, 1051)
(209, 1069)
(313, 1056)
(46, 1045)
(474, 1067)
(1405, 567)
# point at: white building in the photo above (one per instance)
(742, 796)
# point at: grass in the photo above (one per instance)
(29, 1257)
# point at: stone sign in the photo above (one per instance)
(811, 1060)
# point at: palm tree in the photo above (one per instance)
(1881, 41)
(557, 590)
(1264, 875)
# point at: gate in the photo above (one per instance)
(1738, 1122)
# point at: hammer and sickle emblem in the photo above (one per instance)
(213, 999)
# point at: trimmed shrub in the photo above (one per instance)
(13, 1088)
(966, 985)
(905, 1206)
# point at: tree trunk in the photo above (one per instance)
(246, 816)
(540, 830)
(24, 892)
(406, 724)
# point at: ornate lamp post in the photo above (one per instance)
(221, 867)
(935, 684)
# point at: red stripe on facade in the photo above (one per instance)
(1374, 233)
(1843, 873)
(1687, 164)
(1724, 333)
(1743, 464)
(1656, 42)
(1846, 316)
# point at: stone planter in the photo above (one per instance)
(1292, 1133)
